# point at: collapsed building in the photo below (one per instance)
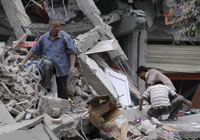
(110, 36)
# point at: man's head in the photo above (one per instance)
(141, 71)
(54, 27)
(158, 82)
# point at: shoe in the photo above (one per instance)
(175, 118)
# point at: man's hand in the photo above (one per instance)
(72, 70)
(140, 107)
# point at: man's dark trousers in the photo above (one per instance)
(47, 71)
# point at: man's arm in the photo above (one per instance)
(141, 102)
(72, 61)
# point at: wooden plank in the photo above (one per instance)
(22, 38)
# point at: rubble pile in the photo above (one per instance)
(150, 130)
(23, 96)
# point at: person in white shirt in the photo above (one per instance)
(158, 95)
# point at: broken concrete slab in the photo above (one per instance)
(17, 16)
(67, 122)
(94, 15)
(46, 103)
(31, 130)
(187, 126)
(87, 40)
(103, 46)
(20, 116)
(15, 126)
(89, 8)
(96, 77)
(5, 117)
(130, 113)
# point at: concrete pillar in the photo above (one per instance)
(16, 14)
(135, 47)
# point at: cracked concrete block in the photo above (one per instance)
(96, 77)
(54, 112)
(133, 130)
(145, 126)
(16, 15)
(46, 103)
(20, 116)
(89, 39)
(89, 8)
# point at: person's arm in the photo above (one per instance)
(27, 57)
(141, 102)
(72, 61)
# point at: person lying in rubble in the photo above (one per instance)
(151, 76)
(58, 57)
(158, 94)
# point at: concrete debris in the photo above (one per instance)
(137, 130)
(17, 16)
(31, 130)
(93, 13)
(96, 76)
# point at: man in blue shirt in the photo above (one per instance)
(58, 57)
